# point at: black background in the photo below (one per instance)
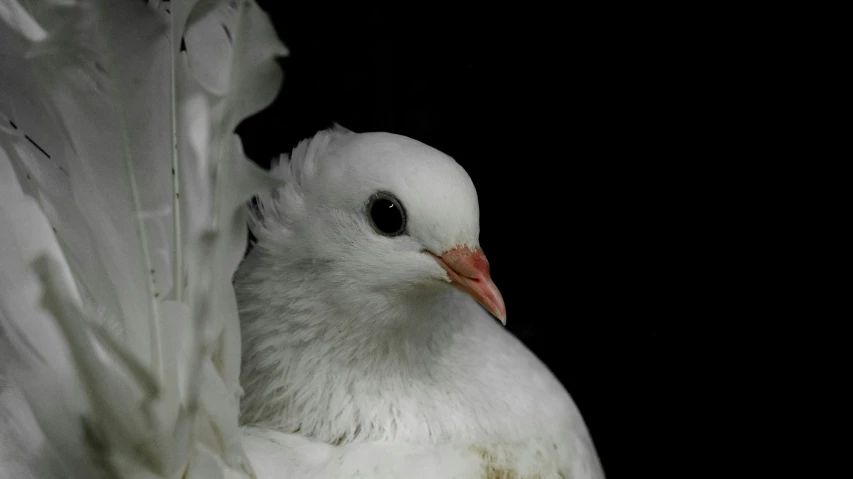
(587, 135)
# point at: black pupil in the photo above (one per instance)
(386, 216)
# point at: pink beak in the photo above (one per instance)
(468, 269)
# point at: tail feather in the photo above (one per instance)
(122, 219)
(24, 451)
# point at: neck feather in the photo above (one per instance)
(308, 334)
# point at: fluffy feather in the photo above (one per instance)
(117, 308)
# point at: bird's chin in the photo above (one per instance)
(467, 269)
(443, 284)
(432, 285)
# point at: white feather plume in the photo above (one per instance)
(122, 188)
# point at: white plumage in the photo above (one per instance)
(122, 221)
(350, 336)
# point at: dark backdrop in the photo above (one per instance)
(580, 131)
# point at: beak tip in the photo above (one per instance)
(497, 308)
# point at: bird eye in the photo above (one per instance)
(386, 214)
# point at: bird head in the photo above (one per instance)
(380, 214)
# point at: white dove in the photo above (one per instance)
(360, 322)
(122, 221)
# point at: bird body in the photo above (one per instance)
(358, 338)
(353, 338)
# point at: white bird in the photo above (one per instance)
(361, 326)
(122, 220)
